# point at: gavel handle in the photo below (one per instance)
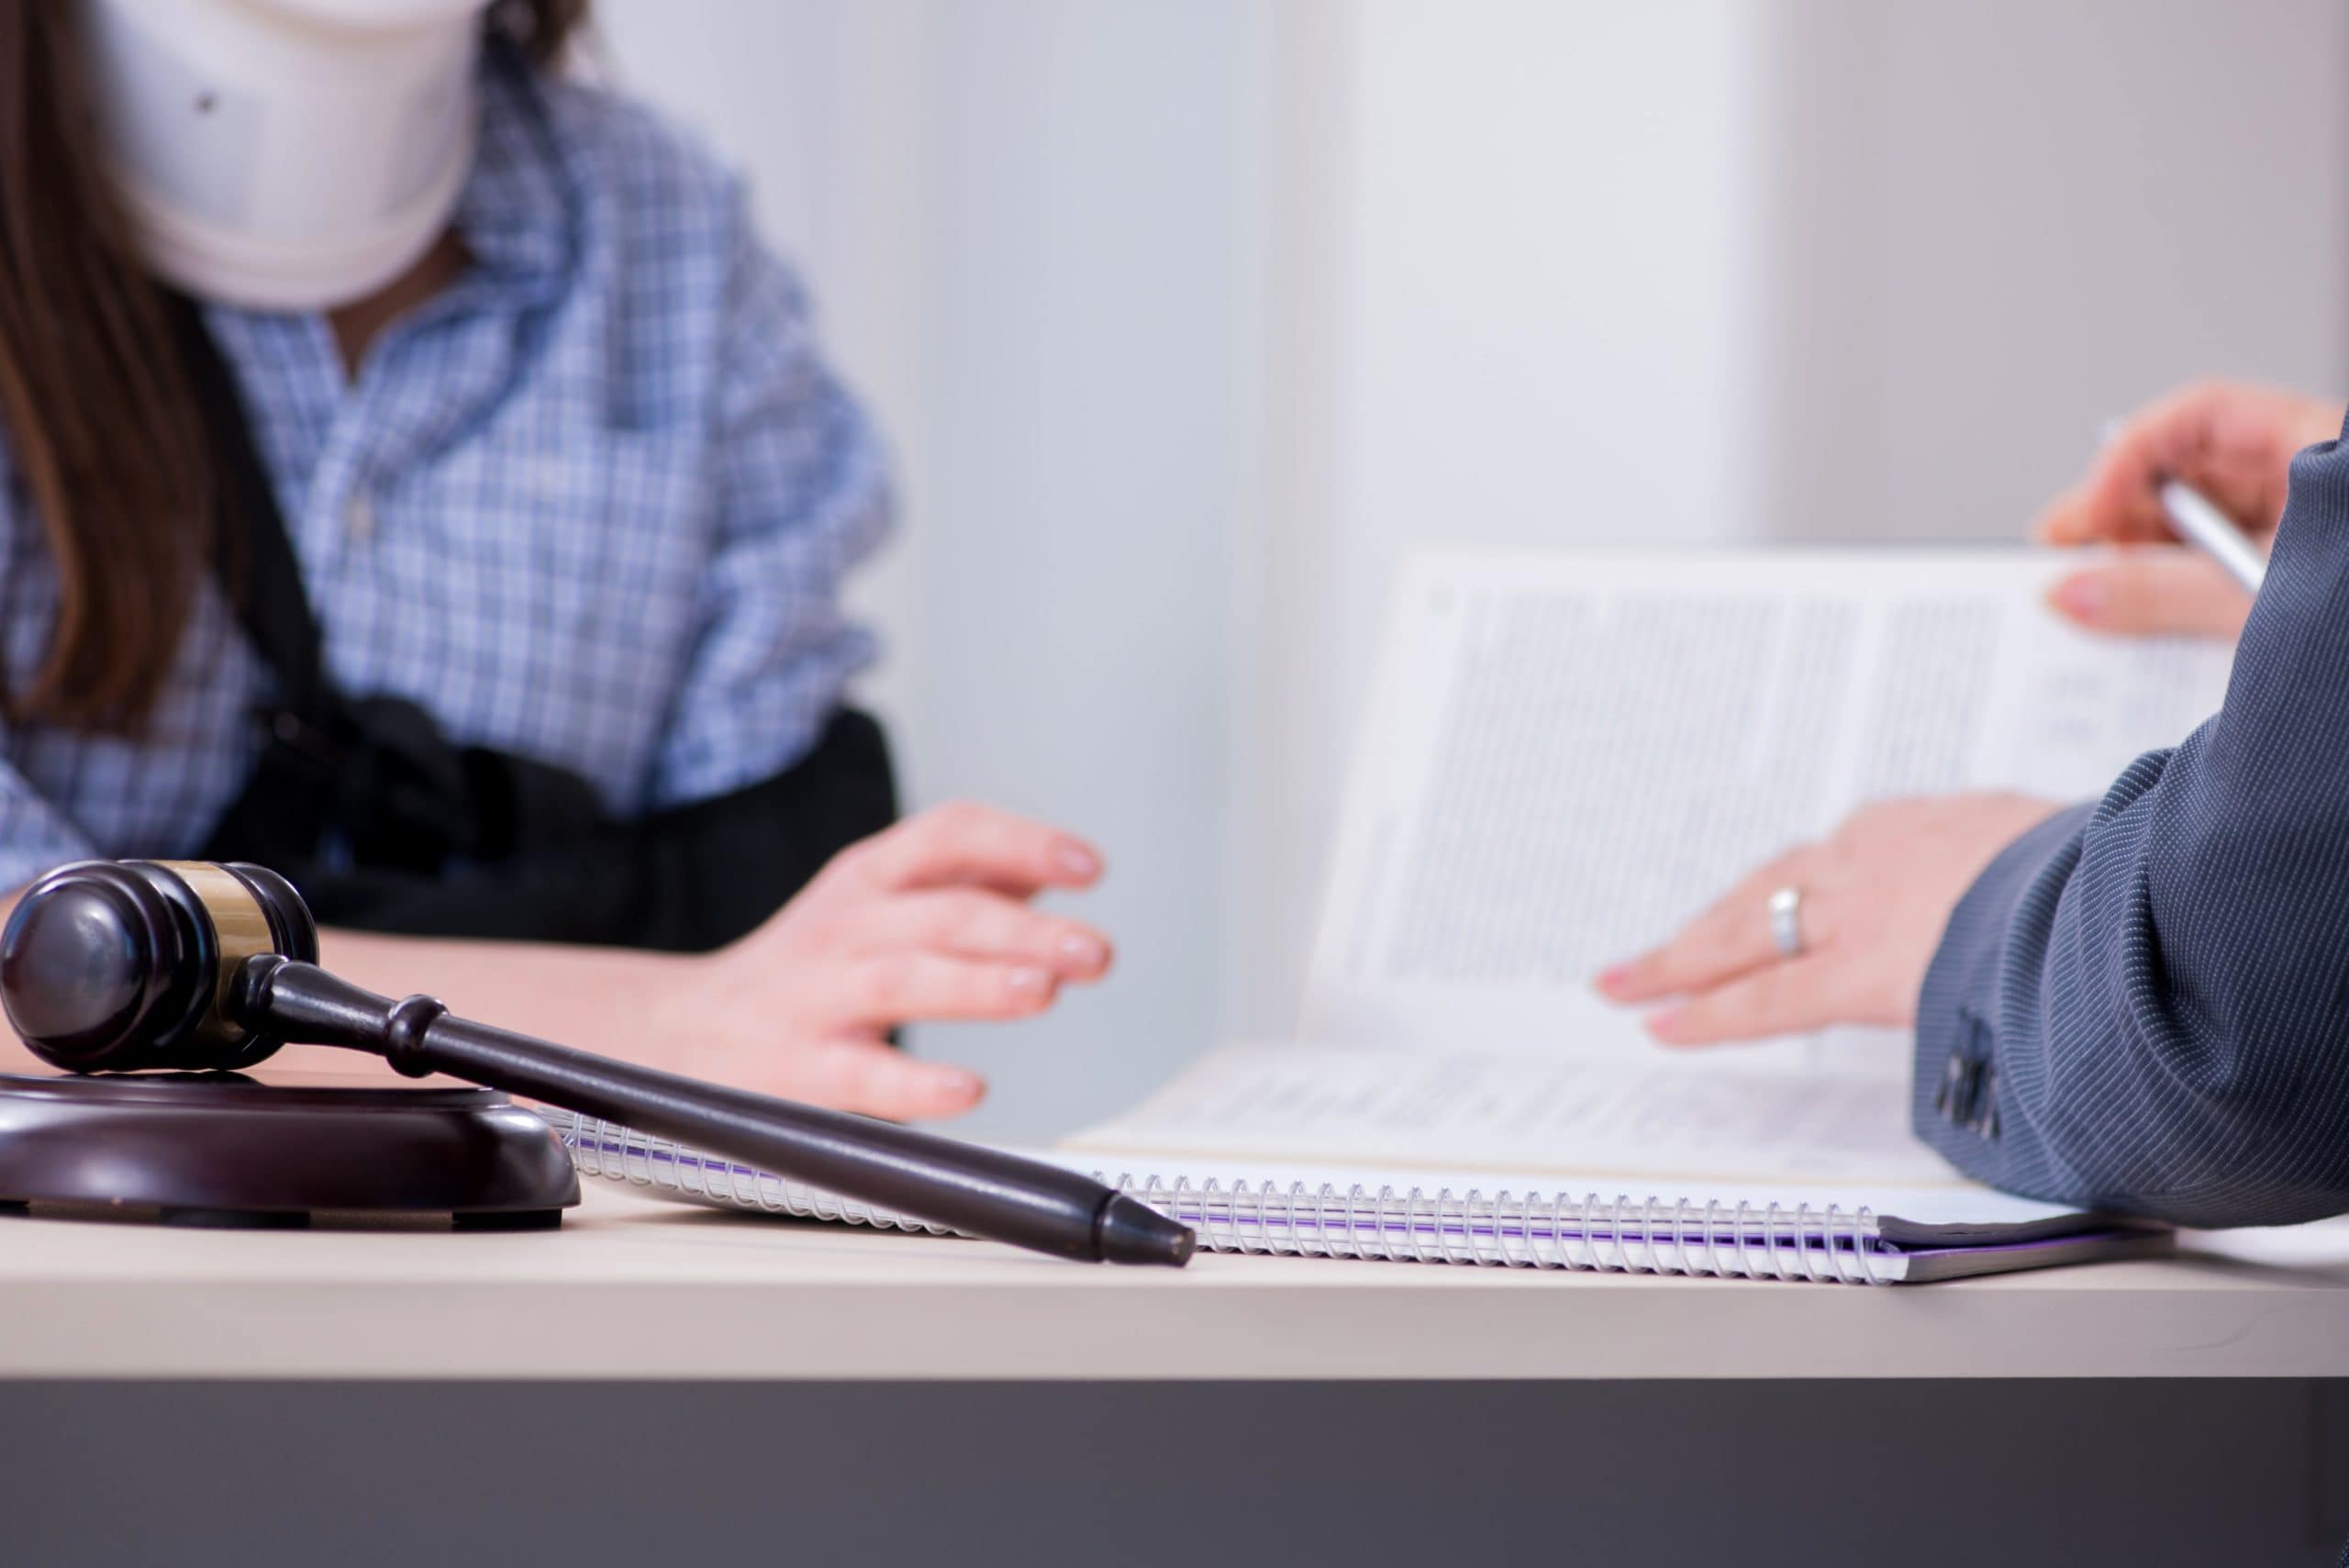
(980, 1191)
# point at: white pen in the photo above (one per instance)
(2201, 523)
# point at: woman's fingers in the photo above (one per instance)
(967, 922)
(2120, 500)
(900, 988)
(1792, 998)
(2144, 593)
(963, 843)
(2087, 515)
(2063, 521)
(927, 920)
(2232, 442)
(867, 1076)
(1877, 896)
(1727, 940)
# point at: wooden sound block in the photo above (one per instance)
(225, 1149)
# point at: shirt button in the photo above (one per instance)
(359, 518)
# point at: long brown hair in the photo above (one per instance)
(96, 407)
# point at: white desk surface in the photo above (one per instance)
(634, 1287)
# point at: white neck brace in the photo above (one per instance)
(286, 154)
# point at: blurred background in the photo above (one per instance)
(1186, 317)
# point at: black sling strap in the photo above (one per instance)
(267, 590)
(384, 824)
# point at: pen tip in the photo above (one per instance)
(1130, 1231)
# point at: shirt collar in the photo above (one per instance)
(517, 213)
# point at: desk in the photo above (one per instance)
(738, 1370)
(606, 1296)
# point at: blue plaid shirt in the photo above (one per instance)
(592, 504)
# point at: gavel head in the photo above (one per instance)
(111, 965)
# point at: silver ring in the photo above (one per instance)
(1785, 921)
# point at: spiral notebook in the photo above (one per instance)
(1830, 1237)
(1564, 755)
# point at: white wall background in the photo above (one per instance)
(1993, 225)
(1029, 229)
(1186, 316)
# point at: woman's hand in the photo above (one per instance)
(1876, 896)
(930, 919)
(2232, 442)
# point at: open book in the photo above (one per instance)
(1564, 756)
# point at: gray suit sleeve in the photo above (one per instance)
(2144, 1004)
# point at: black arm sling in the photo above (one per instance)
(384, 824)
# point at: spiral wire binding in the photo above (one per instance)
(1806, 1243)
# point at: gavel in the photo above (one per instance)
(113, 966)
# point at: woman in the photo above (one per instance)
(2142, 1004)
(358, 370)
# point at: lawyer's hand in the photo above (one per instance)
(1876, 896)
(930, 919)
(2232, 442)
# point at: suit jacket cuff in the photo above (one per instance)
(1954, 1104)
